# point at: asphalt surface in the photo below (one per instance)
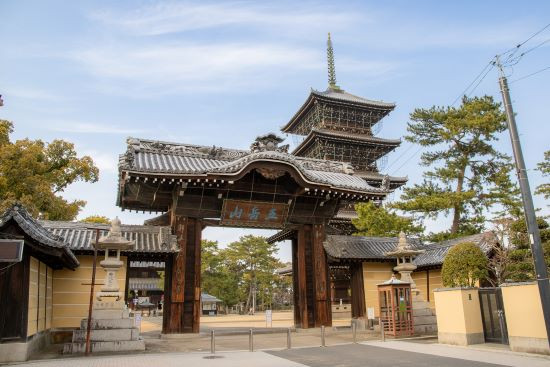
(357, 355)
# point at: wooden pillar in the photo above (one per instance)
(358, 307)
(182, 279)
(312, 306)
(323, 309)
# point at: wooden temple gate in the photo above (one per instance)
(261, 188)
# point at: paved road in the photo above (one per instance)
(369, 354)
(358, 355)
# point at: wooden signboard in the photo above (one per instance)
(242, 213)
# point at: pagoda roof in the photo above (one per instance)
(342, 95)
(174, 161)
(338, 97)
(386, 144)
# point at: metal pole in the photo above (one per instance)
(251, 341)
(212, 342)
(288, 341)
(89, 324)
(323, 336)
(354, 330)
(528, 207)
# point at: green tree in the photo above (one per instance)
(96, 219)
(374, 220)
(464, 265)
(544, 168)
(521, 267)
(253, 259)
(217, 276)
(34, 173)
(467, 175)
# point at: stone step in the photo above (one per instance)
(420, 304)
(425, 329)
(425, 320)
(107, 335)
(110, 314)
(423, 312)
(126, 323)
(111, 346)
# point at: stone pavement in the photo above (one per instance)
(228, 359)
(367, 354)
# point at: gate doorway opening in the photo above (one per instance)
(492, 315)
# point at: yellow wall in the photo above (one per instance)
(420, 278)
(40, 296)
(71, 298)
(373, 274)
(523, 311)
(458, 311)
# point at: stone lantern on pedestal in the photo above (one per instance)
(111, 327)
(423, 315)
(114, 241)
(405, 255)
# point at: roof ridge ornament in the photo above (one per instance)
(270, 143)
(331, 68)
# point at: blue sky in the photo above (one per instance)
(221, 73)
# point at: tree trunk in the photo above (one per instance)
(457, 208)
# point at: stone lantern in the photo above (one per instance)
(111, 327)
(405, 255)
(114, 241)
(423, 316)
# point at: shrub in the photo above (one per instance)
(464, 265)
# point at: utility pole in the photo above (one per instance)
(528, 208)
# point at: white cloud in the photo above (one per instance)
(171, 17)
(32, 93)
(90, 128)
(161, 69)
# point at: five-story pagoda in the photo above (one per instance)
(338, 127)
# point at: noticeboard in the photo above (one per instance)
(11, 251)
(242, 213)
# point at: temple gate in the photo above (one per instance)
(305, 194)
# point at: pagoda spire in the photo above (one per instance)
(331, 68)
(330, 61)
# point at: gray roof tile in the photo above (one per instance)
(79, 236)
(375, 248)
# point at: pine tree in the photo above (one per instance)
(467, 176)
(544, 168)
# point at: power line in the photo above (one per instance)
(514, 49)
(515, 60)
(473, 81)
(400, 156)
(485, 71)
(529, 75)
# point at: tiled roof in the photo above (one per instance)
(435, 253)
(205, 297)
(363, 248)
(80, 236)
(375, 248)
(37, 232)
(183, 160)
(150, 284)
(342, 95)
